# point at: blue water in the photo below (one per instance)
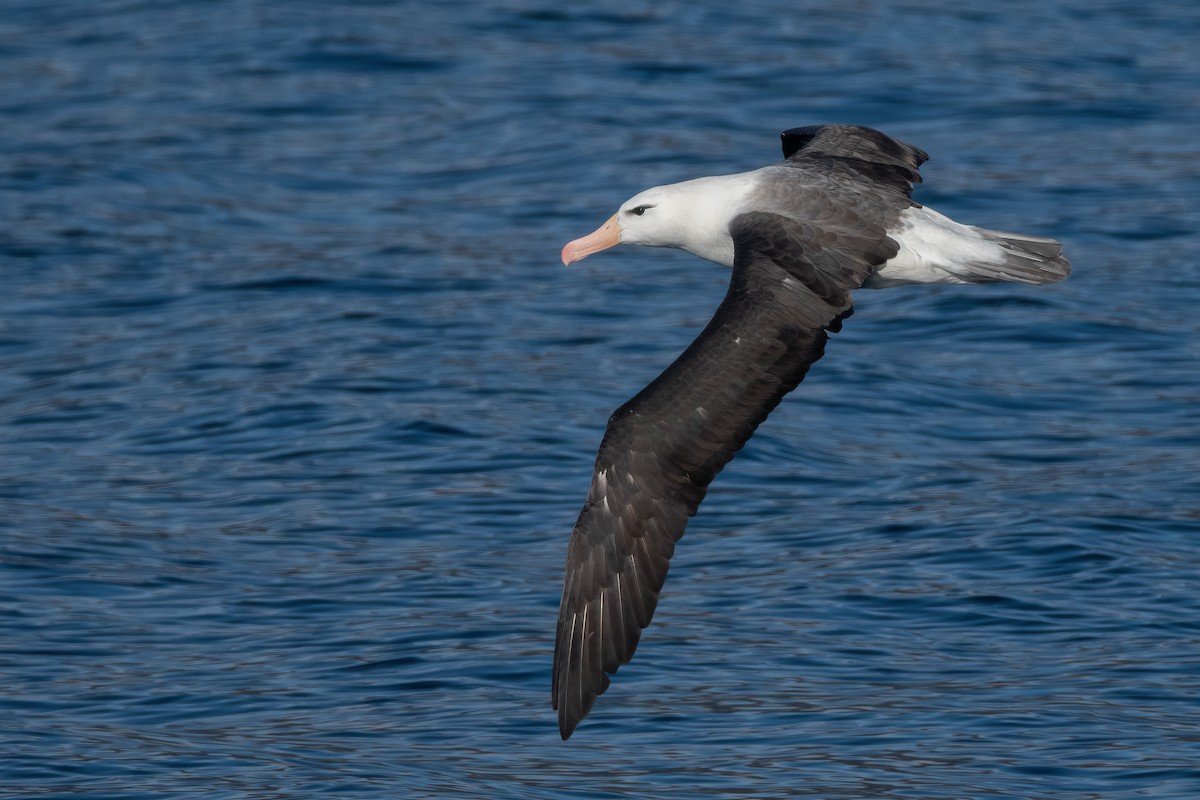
(298, 406)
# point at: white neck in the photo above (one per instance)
(695, 215)
(715, 202)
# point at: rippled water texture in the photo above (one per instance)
(299, 407)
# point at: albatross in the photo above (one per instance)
(800, 235)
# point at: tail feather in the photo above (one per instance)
(1028, 259)
(932, 248)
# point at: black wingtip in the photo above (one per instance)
(568, 717)
(566, 727)
(796, 138)
(570, 714)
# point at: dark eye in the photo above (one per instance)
(639, 210)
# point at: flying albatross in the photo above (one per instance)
(835, 215)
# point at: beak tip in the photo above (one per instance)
(604, 237)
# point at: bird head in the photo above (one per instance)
(649, 218)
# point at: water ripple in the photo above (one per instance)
(299, 406)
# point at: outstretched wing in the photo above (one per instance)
(661, 450)
(866, 152)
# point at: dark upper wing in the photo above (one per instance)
(867, 152)
(790, 282)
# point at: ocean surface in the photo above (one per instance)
(298, 405)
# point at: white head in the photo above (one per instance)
(693, 216)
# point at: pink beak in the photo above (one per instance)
(604, 237)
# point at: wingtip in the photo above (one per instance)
(566, 727)
(568, 717)
(567, 721)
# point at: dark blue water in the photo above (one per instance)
(298, 406)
